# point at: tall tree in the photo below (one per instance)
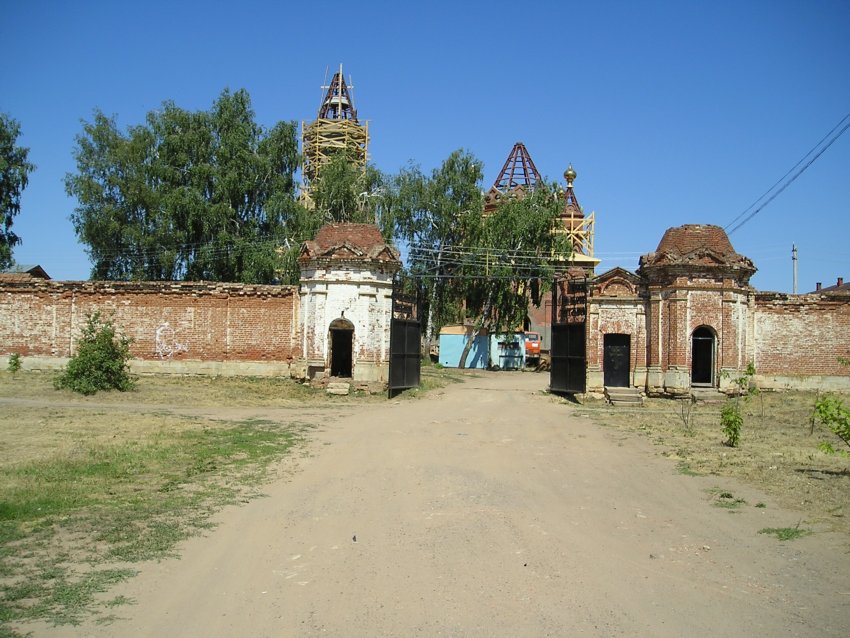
(347, 192)
(515, 255)
(437, 216)
(14, 175)
(187, 195)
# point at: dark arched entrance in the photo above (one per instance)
(342, 346)
(702, 356)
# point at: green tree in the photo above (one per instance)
(187, 195)
(516, 255)
(347, 193)
(101, 359)
(14, 175)
(438, 216)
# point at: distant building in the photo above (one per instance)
(23, 272)
(838, 287)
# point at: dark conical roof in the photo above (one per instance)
(338, 104)
(519, 174)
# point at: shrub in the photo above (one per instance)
(731, 420)
(101, 360)
(831, 412)
(14, 362)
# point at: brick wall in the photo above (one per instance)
(180, 320)
(801, 335)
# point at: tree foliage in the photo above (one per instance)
(14, 175)
(516, 254)
(345, 192)
(101, 360)
(438, 216)
(187, 195)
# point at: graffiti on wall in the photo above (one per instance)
(166, 343)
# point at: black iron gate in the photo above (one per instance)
(568, 364)
(405, 339)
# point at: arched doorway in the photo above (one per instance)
(702, 356)
(342, 346)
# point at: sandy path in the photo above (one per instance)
(490, 510)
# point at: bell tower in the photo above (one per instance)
(336, 129)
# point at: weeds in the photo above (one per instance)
(686, 469)
(727, 500)
(686, 412)
(786, 533)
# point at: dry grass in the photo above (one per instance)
(777, 453)
(173, 391)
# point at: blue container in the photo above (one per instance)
(452, 342)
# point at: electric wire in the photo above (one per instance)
(791, 180)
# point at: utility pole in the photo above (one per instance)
(794, 263)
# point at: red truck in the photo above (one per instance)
(532, 348)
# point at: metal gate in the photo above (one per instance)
(568, 364)
(405, 339)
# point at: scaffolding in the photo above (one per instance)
(578, 227)
(519, 174)
(335, 130)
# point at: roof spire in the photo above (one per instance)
(519, 170)
(518, 174)
(338, 104)
(572, 209)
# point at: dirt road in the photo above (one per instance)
(489, 509)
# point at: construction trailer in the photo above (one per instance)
(507, 351)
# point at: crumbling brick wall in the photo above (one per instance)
(181, 320)
(801, 335)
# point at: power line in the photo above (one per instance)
(793, 177)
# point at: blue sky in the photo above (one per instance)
(670, 112)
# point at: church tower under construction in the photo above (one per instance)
(336, 130)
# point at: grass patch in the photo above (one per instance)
(85, 492)
(727, 500)
(777, 453)
(786, 533)
(685, 468)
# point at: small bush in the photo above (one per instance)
(14, 362)
(731, 420)
(831, 412)
(100, 362)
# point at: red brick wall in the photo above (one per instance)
(205, 321)
(802, 335)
